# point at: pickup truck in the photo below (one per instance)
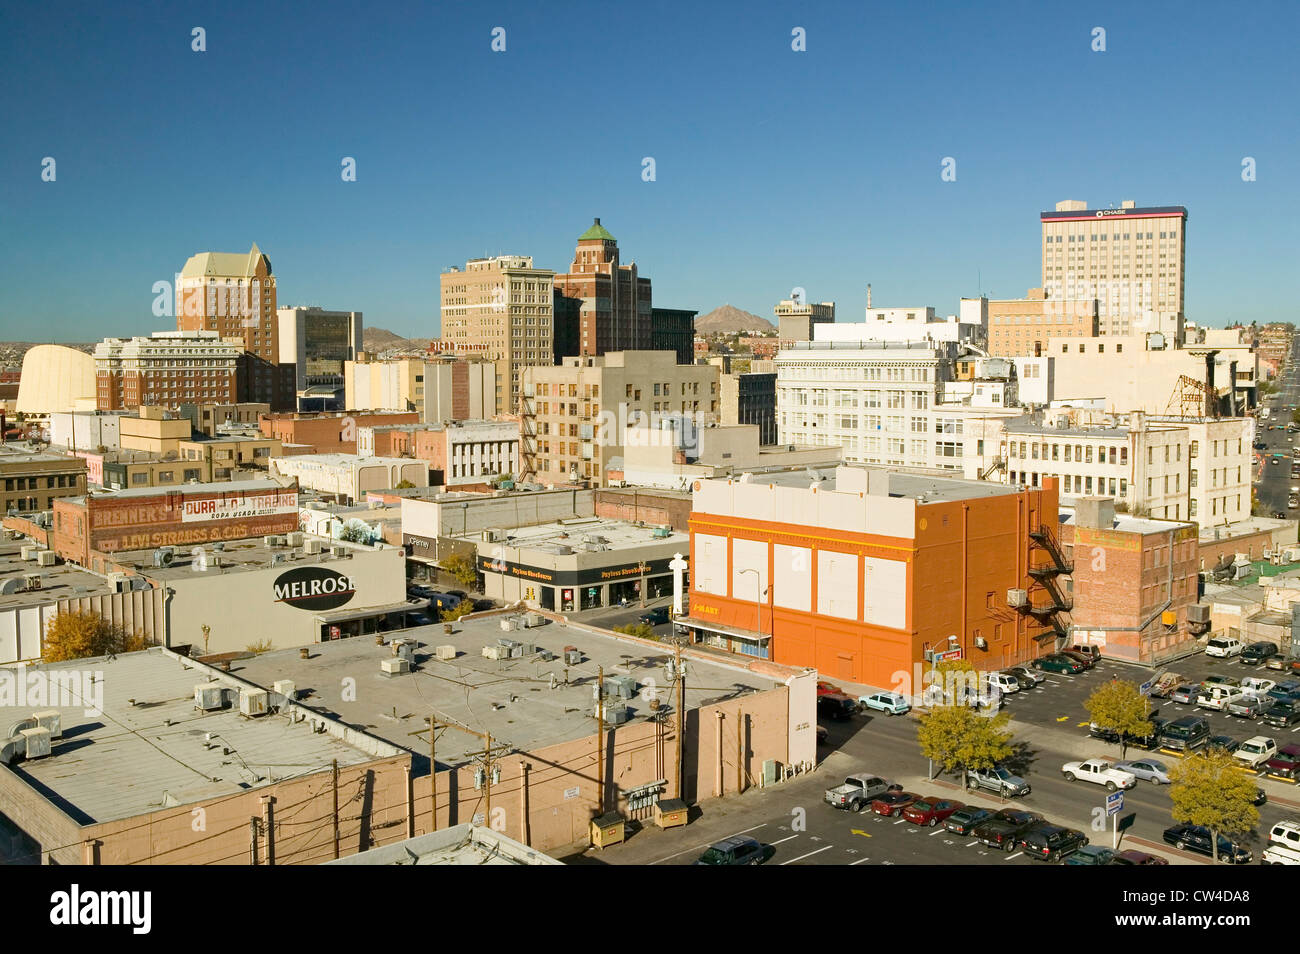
(1099, 772)
(858, 791)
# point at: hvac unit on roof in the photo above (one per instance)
(209, 696)
(31, 581)
(252, 702)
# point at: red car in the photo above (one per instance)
(828, 688)
(931, 811)
(894, 803)
(1132, 857)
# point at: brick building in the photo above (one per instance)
(178, 517)
(167, 368)
(868, 574)
(1132, 581)
(34, 481)
(328, 433)
(614, 313)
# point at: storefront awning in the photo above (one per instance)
(731, 631)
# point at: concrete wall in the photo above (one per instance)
(431, 519)
(140, 612)
(645, 506)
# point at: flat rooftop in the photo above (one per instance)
(616, 534)
(510, 698)
(58, 582)
(216, 487)
(935, 489)
(249, 553)
(1128, 524)
(131, 759)
(1226, 531)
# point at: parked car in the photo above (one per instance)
(965, 820)
(1257, 652)
(1196, 839)
(1257, 685)
(890, 703)
(931, 811)
(1285, 833)
(1255, 751)
(1147, 770)
(836, 706)
(1024, 679)
(1026, 672)
(1059, 663)
(1282, 715)
(1276, 661)
(825, 688)
(1047, 842)
(1087, 649)
(1185, 735)
(1004, 828)
(1185, 694)
(1278, 855)
(736, 850)
(1209, 682)
(892, 804)
(1099, 772)
(1218, 697)
(857, 792)
(656, 617)
(1164, 684)
(1134, 857)
(1091, 855)
(1148, 741)
(1225, 742)
(998, 780)
(1286, 691)
(1222, 647)
(1088, 660)
(1285, 762)
(1003, 682)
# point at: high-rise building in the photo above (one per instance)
(502, 308)
(613, 311)
(575, 414)
(750, 398)
(673, 329)
(1132, 260)
(167, 368)
(318, 343)
(795, 319)
(233, 295)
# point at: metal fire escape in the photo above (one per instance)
(1046, 577)
(527, 433)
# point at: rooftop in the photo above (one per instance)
(513, 699)
(615, 534)
(597, 232)
(58, 582)
(148, 747)
(236, 556)
(1128, 524)
(220, 486)
(933, 489)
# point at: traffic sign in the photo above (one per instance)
(1146, 686)
(1114, 803)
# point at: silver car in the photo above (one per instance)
(1026, 672)
(1185, 694)
(1148, 770)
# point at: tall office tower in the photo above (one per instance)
(318, 343)
(501, 308)
(1131, 260)
(608, 301)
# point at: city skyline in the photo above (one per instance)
(770, 173)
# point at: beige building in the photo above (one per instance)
(441, 388)
(393, 385)
(1022, 327)
(673, 460)
(795, 319)
(1132, 260)
(154, 430)
(347, 477)
(575, 414)
(223, 456)
(56, 378)
(506, 305)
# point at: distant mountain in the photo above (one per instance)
(728, 320)
(381, 339)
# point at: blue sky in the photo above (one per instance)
(775, 169)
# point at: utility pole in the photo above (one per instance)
(600, 741)
(680, 672)
(335, 777)
(433, 776)
(487, 778)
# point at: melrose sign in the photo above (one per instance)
(314, 588)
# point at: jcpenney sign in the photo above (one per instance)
(314, 588)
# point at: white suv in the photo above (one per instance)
(1223, 647)
(1255, 752)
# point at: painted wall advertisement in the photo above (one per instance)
(269, 504)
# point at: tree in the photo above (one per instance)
(462, 568)
(403, 485)
(959, 738)
(643, 630)
(463, 608)
(80, 634)
(1209, 789)
(1119, 707)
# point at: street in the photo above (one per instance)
(1274, 482)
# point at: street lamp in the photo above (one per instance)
(758, 598)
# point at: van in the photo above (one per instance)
(1286, 833)
(1087, 649)
(1185, 734)
(1219, 697)
(1223, 647)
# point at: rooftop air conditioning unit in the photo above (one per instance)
(29, 552)
(338, 551)
(394, 665)
(164, 556)
(295, 539)
(311, 547)
(209, 696)
(1198, 613)
(31, 581)
(45, 558)
(270, 541)
(617, 713)
(286, 688)
(252, 702)
(509, 623)
(36, 742)
(496, 652)
(446, 652)
(51, 720)
(533, 619)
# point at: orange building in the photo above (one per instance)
(867, 574)
(327, 433)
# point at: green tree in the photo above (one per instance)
(643, 630)
(1209, 789)
(403, 485)
(958, 738)
(1119, 706)
(462, 568)
(80, 634)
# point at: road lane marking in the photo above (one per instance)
(1063, 719)
(858, 862)
(859, 831)
(937, 831)
(779, 840)
(809, 855)
(1016, 855)
(971, 844)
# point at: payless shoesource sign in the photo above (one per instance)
(314, 588)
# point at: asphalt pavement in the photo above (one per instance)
(1273, 481)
